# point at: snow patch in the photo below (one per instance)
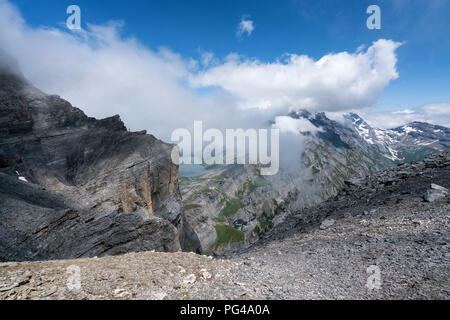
(21, 178)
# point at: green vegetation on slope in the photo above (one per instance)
(188, 207)
(227, 234)
(232, 205)
(250, 185)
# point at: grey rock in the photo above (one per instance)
(190, 279)
(327, 223)
(434, 195)
(93, 188)
(437, 187)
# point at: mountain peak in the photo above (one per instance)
(411, 141)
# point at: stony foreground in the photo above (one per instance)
(379, 239)
(412, 252)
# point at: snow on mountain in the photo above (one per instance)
(412, 141)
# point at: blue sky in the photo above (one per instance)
(314, 28)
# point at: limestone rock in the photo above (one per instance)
(327, 223)
(190, 279)
(435, 193)
(93, 188)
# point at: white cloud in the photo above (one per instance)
(207, 58)
(405, 111)
(435, 113)
(335, 82)
(437, 109)
(390, 120)
(245, 26)
(288, 124)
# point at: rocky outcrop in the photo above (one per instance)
(73, 186)
(435, 193)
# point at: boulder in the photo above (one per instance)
(435, 193)
(327, 223)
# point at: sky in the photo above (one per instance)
(163, 64)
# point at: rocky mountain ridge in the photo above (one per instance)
(73, 186)
(413, 141)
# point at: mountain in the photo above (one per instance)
(413, 141)
(232, 207)
(73, 186)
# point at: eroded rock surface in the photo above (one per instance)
(73, 186)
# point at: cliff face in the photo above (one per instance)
(73, 186)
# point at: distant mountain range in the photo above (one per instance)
(412, 141)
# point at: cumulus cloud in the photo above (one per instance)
(104, 73)
(246, 26)
(335, 82)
